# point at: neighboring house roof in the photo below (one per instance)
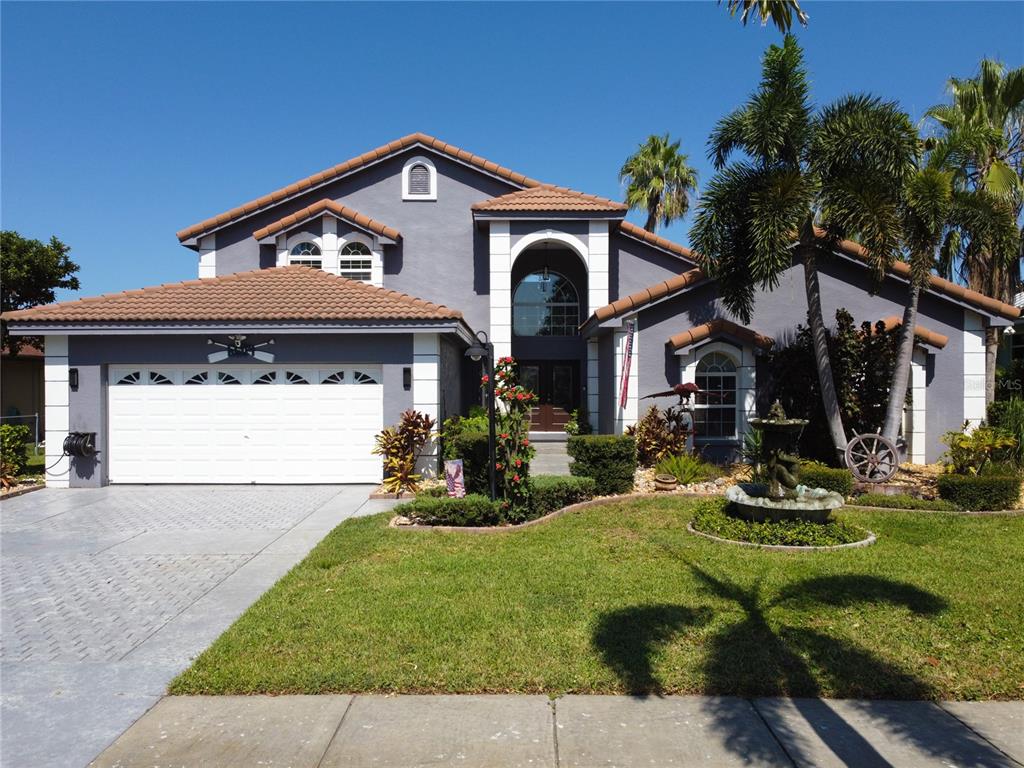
(549, 198)
(28, 351)
(330, 206)
(649, 295)
(277, 293)
(925, 336)
(719, 327)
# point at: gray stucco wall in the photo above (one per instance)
(635, 266)
(778, 312)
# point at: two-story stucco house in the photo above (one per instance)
(358, 289)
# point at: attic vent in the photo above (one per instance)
(419, 180)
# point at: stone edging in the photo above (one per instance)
(963, 512)
(871, 539)
(22, 491)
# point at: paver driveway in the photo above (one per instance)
(106, 594)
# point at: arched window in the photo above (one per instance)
(545, 304)
(715, 407)
(355, 261)
(306, 254)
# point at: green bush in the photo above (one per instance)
(14, 447)
(981, 492)
(814, 474)
(710, 517)
(549, 493)
(974, 452)
(434, 491)
(1008, 416)
(904, 501)
(471, 447)
(609, 459)
(472, 510)
(687, 468)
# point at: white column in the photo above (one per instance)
(974, 368)
(626, 417)
(593, 385)
(426, 391)
(57, 408)
(501, 288)
(208, 256)
(597, 266)
(914, 428)
(329, 244)
(377, 267)
(282, 250)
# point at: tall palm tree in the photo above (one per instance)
(659, 180)
(780, 12)
(842, 170)
(981, 139)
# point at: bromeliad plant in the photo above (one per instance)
(401, 447)
(660, 434)
(973, 453)
(513, 450)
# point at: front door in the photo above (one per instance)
(556, 384)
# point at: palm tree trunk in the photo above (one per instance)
(652, 220)
(821, 356)
(901, 372)
(991, 352)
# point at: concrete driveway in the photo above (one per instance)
(108, 593)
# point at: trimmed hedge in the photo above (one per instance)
(609, 459)
(981, 492)
(549, 493)
(904, 501)
(14, 447)
(471, 447)
(816, 475)
(472, 510)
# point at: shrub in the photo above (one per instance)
(401, 447)
(814, 474)
(710, 517)
(471, 447)
(659, 434)
(904, 501)
(609, 459)
(471, 510)
(971, 453)
(434, 491)
(579, 423)
(14, 448)
(513, 451)
(687, 468)
(981, 492)
(1008, 415)
(552, 492)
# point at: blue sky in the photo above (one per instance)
(122, 123)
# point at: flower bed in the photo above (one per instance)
(710, 518)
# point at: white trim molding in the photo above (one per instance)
(974, 368)
(746, 382)
(376, 256)
(208, 256)
(501, 288)
(915, 417)
(406, 170)
(426, 392)
(57, 409)
(593, 385)
(628, 416)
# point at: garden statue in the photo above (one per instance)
(780, 465)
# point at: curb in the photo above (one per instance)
(21, 491)
(871, 539)
(961, 512)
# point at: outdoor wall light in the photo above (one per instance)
(73, 379)
(407, 379)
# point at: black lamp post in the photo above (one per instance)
(482, 349)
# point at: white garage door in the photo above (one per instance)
(233, 424)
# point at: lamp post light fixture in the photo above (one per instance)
(483, 350)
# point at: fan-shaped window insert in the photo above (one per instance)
(158, 378)
(295, 378)
(715, 406)
(545, 304)
(355, 261)
(306, 254)
(267, 378)
(131, 378)
(359, 377)
(338, 377)
(198, 378)
(223, 377)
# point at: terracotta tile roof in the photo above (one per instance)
(341, 211)
(350, 165)
(28, 351)
(278, 293)
(716, 327)
(656, 240)
(550, 198)
(650, 294)
(925, 336)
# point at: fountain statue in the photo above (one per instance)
(781, 496)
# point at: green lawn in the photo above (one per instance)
(621, 598)
(36, 463)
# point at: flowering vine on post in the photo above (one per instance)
(513, 449)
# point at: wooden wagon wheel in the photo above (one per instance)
(872, 458)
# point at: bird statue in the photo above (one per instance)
(683, 391)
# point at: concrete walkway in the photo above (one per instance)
(108, 593)
(534, 731)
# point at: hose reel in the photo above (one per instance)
(80, 445)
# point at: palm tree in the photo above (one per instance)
(659, 181)
(981, 139)
(843, 170)
(780, 12)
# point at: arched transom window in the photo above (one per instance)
(306, 254)
(355, 261)
(715, 407)
(545, 304)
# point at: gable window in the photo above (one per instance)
(545, 304)
(306, 254)
(419, 180)
(355, 261)
(715, 408)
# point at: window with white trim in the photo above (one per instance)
(355, 261)
(306, 254)
(715, 407)
(419, 180)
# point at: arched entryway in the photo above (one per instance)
(549, 290)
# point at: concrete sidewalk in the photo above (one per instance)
(499, 731)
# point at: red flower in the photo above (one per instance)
(525, 442)
(498, 465)
(484, 379)
(519, 396)
(515, 478)
(519, 462)
(504, 435)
